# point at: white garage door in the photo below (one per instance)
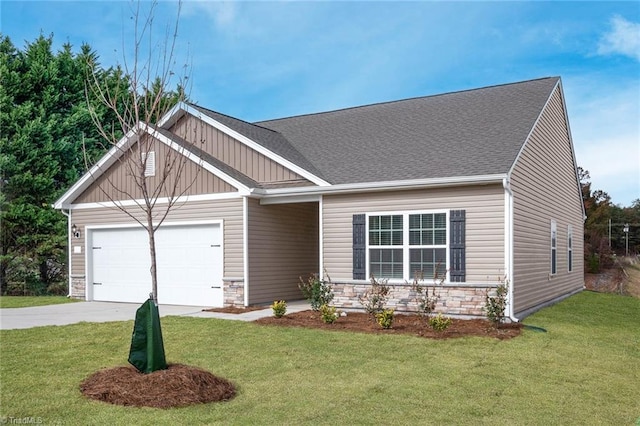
(189, 260)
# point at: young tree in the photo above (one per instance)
(148, 73)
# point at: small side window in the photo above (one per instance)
(554, 247)
(569, 248)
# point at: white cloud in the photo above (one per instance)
(623, 38)
(223, 13)
(606, 133)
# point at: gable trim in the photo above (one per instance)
(112, 156)
(558, 86)
(172, 116)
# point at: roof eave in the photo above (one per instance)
(274, 195)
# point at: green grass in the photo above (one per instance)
(584, 370)
(26, 301)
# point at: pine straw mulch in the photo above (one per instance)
(177, 386)
(236, 309)
(402, 324)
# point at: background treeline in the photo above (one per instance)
(604, 233)
(48, 139)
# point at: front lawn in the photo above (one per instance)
(584, 370)
(26, 301)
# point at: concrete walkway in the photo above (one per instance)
(72, 313)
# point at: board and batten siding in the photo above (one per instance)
(232, 152)
(228, 211)
(117, 184)
(283, 246)
(545, 188)
(484, 206)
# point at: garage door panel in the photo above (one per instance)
(189, 262)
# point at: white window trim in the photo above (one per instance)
(405, 242)
(569, 248)
(553, 243)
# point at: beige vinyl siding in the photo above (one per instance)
(545, 188)
(283, 246)
(484, 207)
(117, 182)
(229, 211)
(232, 152)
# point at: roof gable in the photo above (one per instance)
(167, 139)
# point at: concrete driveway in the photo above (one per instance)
(72, 313)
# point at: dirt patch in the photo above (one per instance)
(608, 281)
(236, 309)
(177, 386)
(402, 324)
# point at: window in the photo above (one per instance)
(554, 246)
(421, 238)
(569, 248)
(149, 162)
(386, 246)
(428, 245)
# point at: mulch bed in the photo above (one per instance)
(402, 324)
(177, 386)
(236, 309)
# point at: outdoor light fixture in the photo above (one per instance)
(626, 237)
(75, 231)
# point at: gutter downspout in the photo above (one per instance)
(508, 197)
(68, 215)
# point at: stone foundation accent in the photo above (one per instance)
(233, 293)
(455, 299)
(78, 287)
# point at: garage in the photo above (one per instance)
(189, 260)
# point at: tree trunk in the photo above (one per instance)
(152, 253)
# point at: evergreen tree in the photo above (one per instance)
(48, 139)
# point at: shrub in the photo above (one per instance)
(374, 299)
(496, 304)
(439, 322)
(328, 313)
(426, 298)
(317, 291)
(385, 318)
(279, 308)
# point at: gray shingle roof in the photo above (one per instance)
(469, 133)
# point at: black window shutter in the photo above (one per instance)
(457, 271)
(359, 246)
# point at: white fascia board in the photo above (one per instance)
(280, 193)
(256, 146)
(242, 188)
(172, 115)
(103, 164)
(164, 200)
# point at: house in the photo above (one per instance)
(479, 184)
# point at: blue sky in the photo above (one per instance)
(262, 60)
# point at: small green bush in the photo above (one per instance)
(317, 291)
(495, 305)
(279, 308)
(328, 313)
(385, 318)
(439, 322)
